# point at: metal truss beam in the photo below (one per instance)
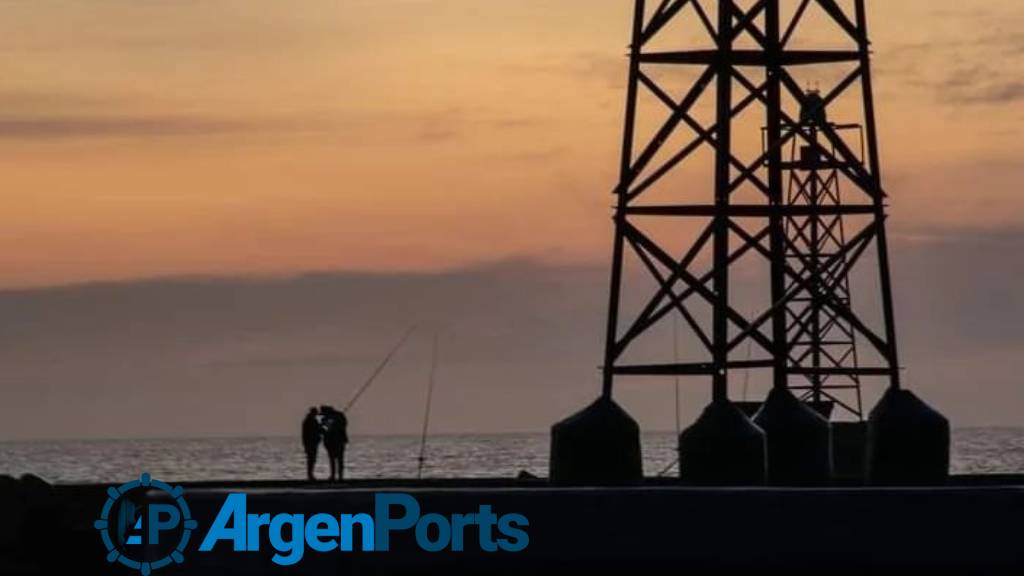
(807, 333)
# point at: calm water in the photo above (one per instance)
(977, 450)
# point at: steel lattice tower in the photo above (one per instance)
(819, 337)
(741, 63)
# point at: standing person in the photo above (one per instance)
(335, 439)
(311, 440)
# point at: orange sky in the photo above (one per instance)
(249, 136)
(475, 137)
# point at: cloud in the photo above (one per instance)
(997, 92)
(427, 127)
(520, 344)
(980, 70)
(274, 345)
(56, 127)
(25, 101)
(606, 69)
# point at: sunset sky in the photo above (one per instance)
(239, 136)
(246, 138)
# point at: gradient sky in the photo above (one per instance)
(240, 138)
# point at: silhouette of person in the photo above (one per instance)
(311, 433)
(335, 439)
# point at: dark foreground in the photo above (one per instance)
(972, 526)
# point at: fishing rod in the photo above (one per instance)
(380, 368)
(746, 384)
(668, 468)
(426, 411)
(675, 357)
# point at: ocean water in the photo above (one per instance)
(974, 450)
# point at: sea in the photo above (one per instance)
(974, 451)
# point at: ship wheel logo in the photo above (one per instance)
(143, 529)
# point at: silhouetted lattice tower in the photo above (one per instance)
(726, 77)
(819, 337)
(759, 272)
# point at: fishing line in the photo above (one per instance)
(379, 369)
